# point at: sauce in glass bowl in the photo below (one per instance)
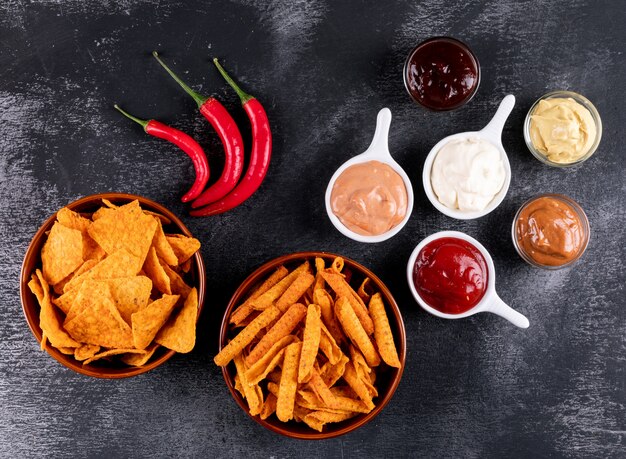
(441, 73)
(550, 231)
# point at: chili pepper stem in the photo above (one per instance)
(197, 97)
(143, 123)
(242, 95)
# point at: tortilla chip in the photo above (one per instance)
(337, 265)
(59, 286)
(266, 364)
(129, 294)
(186, 266)
(323, 299)
(355, 331)
(343, 391)
(269, 406)
(272, 387)
(111, 352)
(310, 342)
(365, 290)
(101, 324)
(86, 351)
(163, 248)
(320, 264)
(49, 320)
(244, 310)
(253, 393)
(139, 360)
(288, 383)
(357, 385)
(162, 218)
(317, 384)
(342, 288)
(89, 293)
(101, 212)
(245, 336)
(267, 298)
(66, 350)
(119, 264)
(283, 327)
(331, 373)
(382, 332)
(318, 419)
(299, 413)
(152, 267)
(86, 266)
(35, 286)
(293, 293)
(62, 253)
(179, 333)
(184, 247)
(73, 220)
(177, 284)
(329, 346)
(149, 320)
(363, 371)
(110, 205)
(127, 228)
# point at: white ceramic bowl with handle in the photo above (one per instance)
(490, 302)
(491, 133)
(377, 151)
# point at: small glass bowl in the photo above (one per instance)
(462, 46)
(581, 216)
(582, 101)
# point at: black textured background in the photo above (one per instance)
(472, 388)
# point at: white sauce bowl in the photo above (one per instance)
(377, 151)
(491, 133)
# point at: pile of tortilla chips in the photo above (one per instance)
(310, 348)
(117, 285)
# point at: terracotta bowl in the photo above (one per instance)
(387, 381)
(32, 260)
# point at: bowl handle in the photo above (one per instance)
(380, 143)
(494, 129)
(500, 308)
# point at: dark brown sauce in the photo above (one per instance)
(442, 74)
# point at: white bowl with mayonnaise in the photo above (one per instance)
(467, 175)
(370, 197)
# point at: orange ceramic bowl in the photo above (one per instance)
(387, 380)
(32, 261)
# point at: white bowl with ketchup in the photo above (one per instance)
(452, 276)
(374, 192)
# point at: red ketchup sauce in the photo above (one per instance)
(450, 275)
(442, 74)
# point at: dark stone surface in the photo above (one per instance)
(472, 388)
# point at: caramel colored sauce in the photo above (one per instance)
(550, 231)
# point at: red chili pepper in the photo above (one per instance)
(229, 134)
(185, 143)
(259, 157)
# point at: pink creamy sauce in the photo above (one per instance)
(369, 198)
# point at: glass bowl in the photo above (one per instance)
(579, 212)
(461, 46)
(582, 101)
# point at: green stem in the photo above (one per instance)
(242, 95)
(144, 123)
(197, 97)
